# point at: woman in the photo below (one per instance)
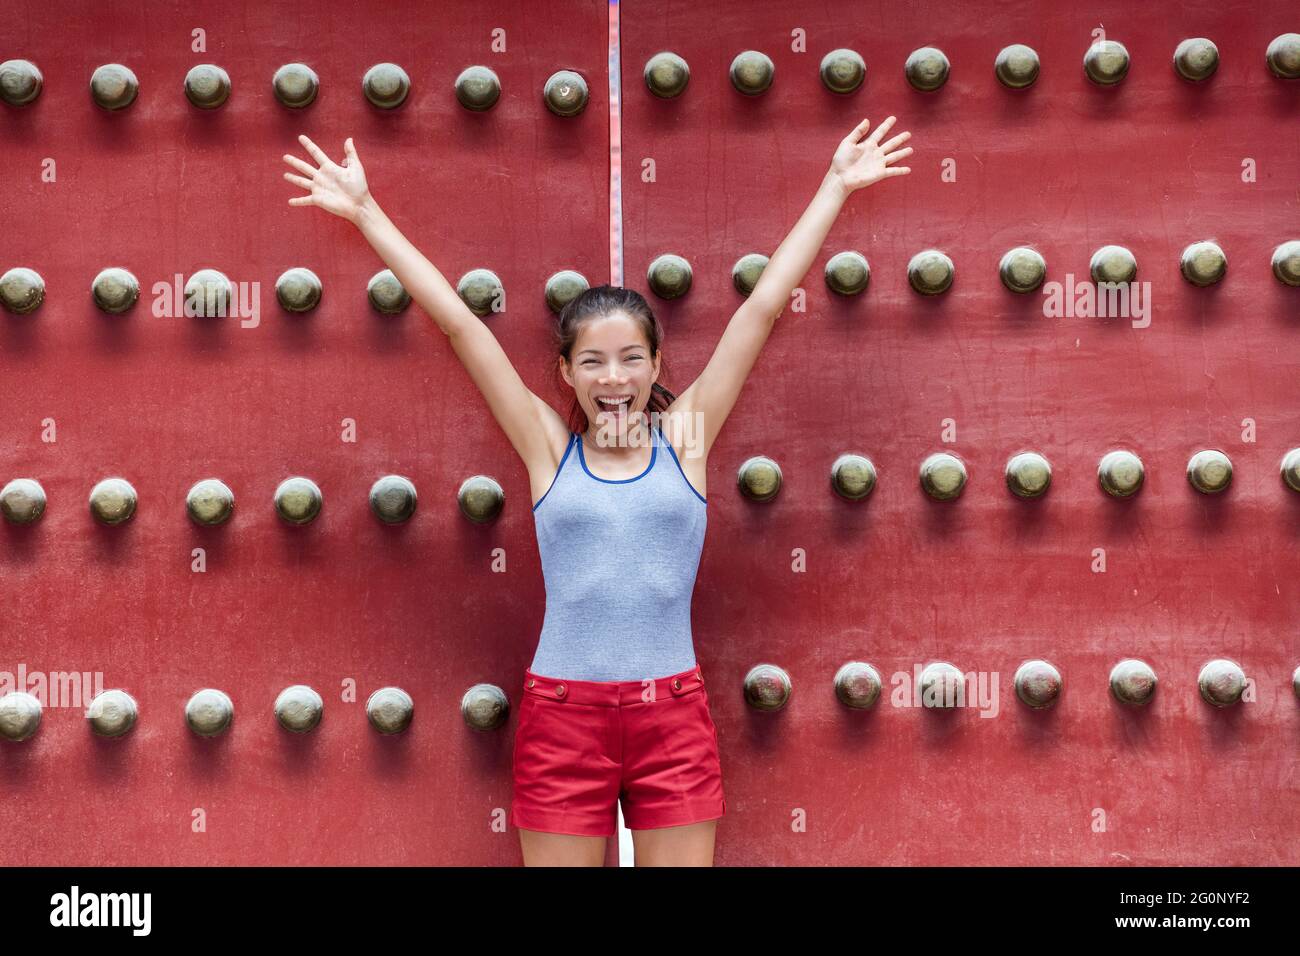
(619, 507)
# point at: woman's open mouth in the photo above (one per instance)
(617, 404)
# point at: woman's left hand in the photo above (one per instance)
(859, 162)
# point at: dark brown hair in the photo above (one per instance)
(594, 303)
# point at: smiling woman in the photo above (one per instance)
(614, 706)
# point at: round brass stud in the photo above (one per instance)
(209, 712)
(1196, 59)
(115, 290)
(112, 501)
(485, 707)
(1113, 264)
(1203, 263)
(1016, 66)
(20, 715)
(853, 476)
(392, 499)
(926, 69)
(386, 85)
(669, 276)
(563, 287)
(1120, 473)
(941, 685)
(759, 478)
(666, 75)
(1106, 62)
(207, 86)
(752, 72)
(847, 273)
(295, 85)
(298, 290)
(565, 93)
(390, 710)
(478, 88)
(943, 476)
(1286, 263)
(208, 293)
(480, 498)
(482, 292)
(210, 502)
(112, 713)
(298, 500)
(1283, 56)
(20, 82)
(1029, 475)
(842, 71)
(22, 501)
(1132, 682)
(1221, 682)
(1038, 684)
(1209, 471)
(857, 685)
(1022, 269)
(22, 290)
(1290, 470)
(386, 294)
(767, 687)
(747, 271)
(113, 86)
(299, 708)
(930, 272)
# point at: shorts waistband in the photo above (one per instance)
(613, 693)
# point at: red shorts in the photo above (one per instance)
(581, 746)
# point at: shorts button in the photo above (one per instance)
(531, 683)
(677, 683)
(559, 690)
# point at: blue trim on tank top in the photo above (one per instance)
(568, 448)
(654, 451)
(669, 446)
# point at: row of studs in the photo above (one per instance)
(393, 498)
(767, 687)
(1221, 682)
(1105, 63)
(297, 500)
(209, 292)
(1022, 269)
(114, 86)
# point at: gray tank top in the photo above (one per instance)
(619, 558)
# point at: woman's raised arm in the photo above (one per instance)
(857, 162)
(533, 427)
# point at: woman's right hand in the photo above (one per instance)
(341, 190)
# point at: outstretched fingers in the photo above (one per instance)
(299, 165)
(894, 142)
(882, 129)
(899, 154)
(299, 181)
(316, 152)
(897, 170)
(858, 132)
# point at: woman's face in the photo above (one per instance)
(611, 360)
